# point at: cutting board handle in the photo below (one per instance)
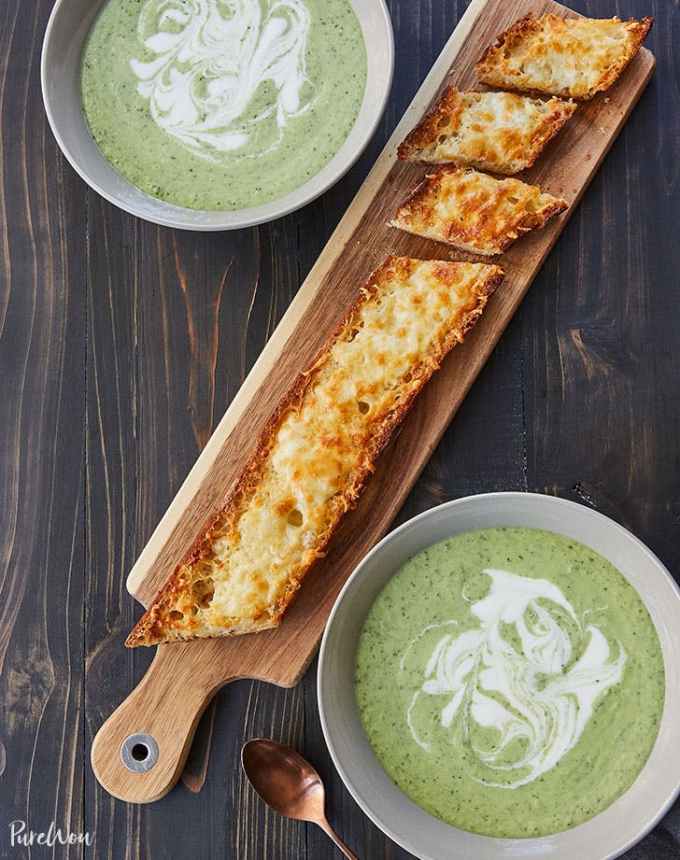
(139, 752)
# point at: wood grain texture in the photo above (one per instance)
(80, 332)
(42, 419)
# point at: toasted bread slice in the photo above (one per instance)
(501, 132)
(474, 211)
(318, 450)
(569, 57)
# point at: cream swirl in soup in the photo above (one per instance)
(210, 57)
(532, 690)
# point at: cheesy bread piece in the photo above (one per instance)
(474, 211)
(500, 132)
(318, 450)
(569, 57)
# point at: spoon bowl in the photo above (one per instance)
(284, 779)
(289, 784)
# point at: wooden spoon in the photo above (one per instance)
(289, 784)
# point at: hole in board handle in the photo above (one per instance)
(139, 753)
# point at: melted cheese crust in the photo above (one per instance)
(318, 451)
(474, 211)
(501, 132)
(574, 57)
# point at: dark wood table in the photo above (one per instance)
(121, 345)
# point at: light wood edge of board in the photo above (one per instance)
(275, 346)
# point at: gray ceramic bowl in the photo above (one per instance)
(608, 834)
(67, 29)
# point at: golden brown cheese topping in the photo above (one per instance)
(318, 451)
(570, 57)
(474, 211)
(501, 132)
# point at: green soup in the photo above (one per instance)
(222, 104)
(510, 681)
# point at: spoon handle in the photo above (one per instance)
(325, 826)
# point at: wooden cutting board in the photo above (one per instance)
(182, 679)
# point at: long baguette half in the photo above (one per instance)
(316, 453)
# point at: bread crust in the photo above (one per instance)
(495, 68)
(157, 624)
(481, 216)
(500, 150)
